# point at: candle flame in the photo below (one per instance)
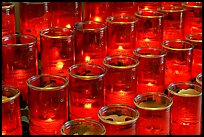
(149, 84)
(97, 19)
(3, 132)
(88, 105)
(59, 65)
(68, 26)
(49, 120)
(146, 8)
(147, 40)
(87, 58)
(120, 47)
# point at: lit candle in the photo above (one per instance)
(87, 59)
(97, 19)
(87, 105)
(59, 65)
(49, 120)
(68, 26)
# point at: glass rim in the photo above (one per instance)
(135, 52)
(120, 67)
(137, 13)
(184, 83)
(160, 9)
(175, 41)
(42, 31)
(13, 97)
(154, 93)
(188, 36)
(20, 35)
(77, 120)
(110, 19)
(198, 78)
(107, 107)
(33, 78)
(191, 6)
(87, 77)
(8, 6)
(89, 29)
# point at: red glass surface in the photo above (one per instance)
(149, 28)
(173, 22)
(192, 18)
(97, 11)
(186, 112)
(91, 42)
(149, 5)
(65, 14)
(86, 95)
(19, 61)
(119, 119)
(154, 109)
(48, 104)
(33, 17)
(178, 61)
(57, 50)
(167, 4)
(124, 8)
(196, 40)
(11, 117)
(120, 80)
(121, 34)
(151, 70)
(8, 18)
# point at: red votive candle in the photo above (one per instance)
(124, 8)
(86, 95)
(91, 42)
(148, 5)
(19, 61)
(196, 40)
(173, 22)
(155, 113)
(57, 50)
(8, 18)
(149, 28)
(65, 14)
(178, 61)
(120, 80)
(119, 119)
(33, 17)
(97, 11)
(151, 69)
(186, 111)
(11, 116)
(121, 34)
(48, 104)
(192, 18)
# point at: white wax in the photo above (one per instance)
(117, 118)
(189, 92)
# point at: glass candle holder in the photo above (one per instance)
(86, 95)
(121, 34)
(97, 11)
(178, 61)
(124, 8)
(171, 4)
(65, 14)
(119, 119)
(8, 18)
(120, 80)
(196, 40)
(48, 104)
(57, 50)
(83, 126)
(155, 112)
(148, 5)
(19, 61)
(91, 42)
(149, 28)
(186, 120)
(11, 116)
(199, 79)
(192, 18)
(173, 22)
(151, 70)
